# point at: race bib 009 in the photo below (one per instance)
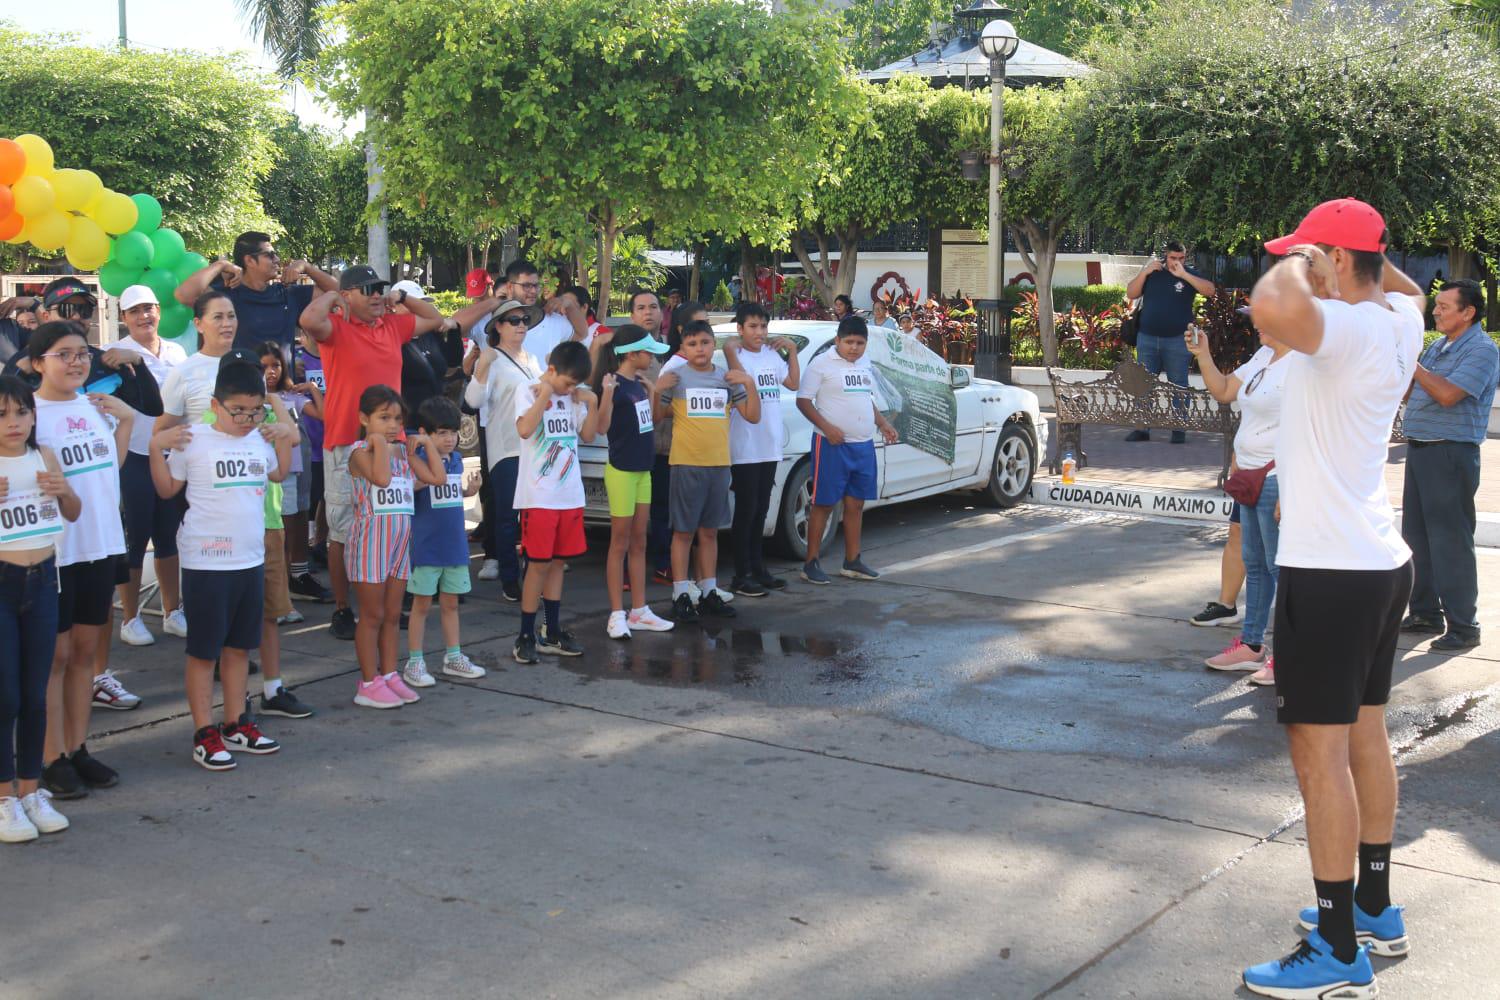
(30, 516)
(395, 498)
(448, 495)
(707, 402)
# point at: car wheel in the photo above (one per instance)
(1015, 461)
(796, 508)
(468, 435)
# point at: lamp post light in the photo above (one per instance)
(998, 42)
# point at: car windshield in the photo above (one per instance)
(795, 338)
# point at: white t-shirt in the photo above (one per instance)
(759, 442)
(190, 387)
(548, 476)
(498, 396)
(160, 366)
(1260, 394)
(1336, 415)
(843, 393)
(226, 478)
(551, 331)
(84, 441)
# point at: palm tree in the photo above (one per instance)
(292, 32)
(1482, 16)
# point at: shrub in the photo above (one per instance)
(722, 300)
(449, 302)
(1089, 298)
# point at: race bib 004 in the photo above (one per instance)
(858, 380)
(395, 498)
(707, 402)
(448, 495)
(29, 515)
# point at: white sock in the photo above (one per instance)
(679, 587)
(273, 687)
(708, 584)
(637, 612)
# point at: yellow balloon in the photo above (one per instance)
(34, 197)
(87, 246)
(70, 189)
(116, 213)
(49, 231)
(93, 187)
(92, 208)
(38, 155)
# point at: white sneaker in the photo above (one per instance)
(618, 627)
(415, 673)
(462, 667)
(490, 570)
(724, 595)
(38, 806)
(295, 618)
(134, 633)
(175, 623)
(646, 620)
(110, 693)
(15, 826)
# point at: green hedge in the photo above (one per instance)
(1089, 298)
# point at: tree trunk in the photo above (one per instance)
(1461, 263)
(378, 237)
(607, 233)
(469, 254)
(826, 283)
(1038, 246)
(748, 290)
(484, 259)
(510, 246)
(695, 276)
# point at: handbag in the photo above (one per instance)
(1244, 485)
(1130, 327)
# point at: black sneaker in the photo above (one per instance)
(92, 771)
(1138, 436)
(342, 626)
(318, 555)
(768, 581)
(1179, 437)
(746, 587)
(511, 591)
(1455, 641)
(812, 572)
(1214, 613)
(62, 780)
(711, 605)
(245, 736)
(306, 587)
(285, 704)
(1421, 624)
(683, 612)
(524, 650)
(405, 620)
(563, 644)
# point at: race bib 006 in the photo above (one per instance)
(30, 516)
(395, 498)
(448, 495)
(707, 402)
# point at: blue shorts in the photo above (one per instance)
(843, 470)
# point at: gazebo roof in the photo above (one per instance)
(960, 60)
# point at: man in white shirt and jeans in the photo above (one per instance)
(1344, 577)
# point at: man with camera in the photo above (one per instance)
(1167, 289)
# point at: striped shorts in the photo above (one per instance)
(379, 547)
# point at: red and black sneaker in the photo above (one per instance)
(245, 737)
(209, 751)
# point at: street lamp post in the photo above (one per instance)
(992, 358)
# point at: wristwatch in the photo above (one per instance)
(402, 299)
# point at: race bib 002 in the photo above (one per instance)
(233, 472)
(768, 385)
(29, 516)
(448, 495)
(395, 498)
(643, 415)
(707, 402)
(858, 380)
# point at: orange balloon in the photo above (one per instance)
(12, 161)
(7, 201)
(11, 226)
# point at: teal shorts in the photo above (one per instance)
(426, 581)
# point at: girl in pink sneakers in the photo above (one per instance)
(378, 554)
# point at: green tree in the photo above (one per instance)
(315, 192)
(882, 31)
(1072, 26)
(193, 130)
(1223, 123)
(586, 125)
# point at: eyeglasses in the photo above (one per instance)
(1255, 381)
(70, 357)
(76, 310)
(527, 284)
(243, 417)
(514, 319)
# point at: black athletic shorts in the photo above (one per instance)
(1336, 632)
(223, 608)
(86, 591)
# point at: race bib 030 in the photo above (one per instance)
(395, 498)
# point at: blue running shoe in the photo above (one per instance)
(1312, 973)
(1385, 934)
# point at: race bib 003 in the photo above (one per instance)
(768, 385)
(707, 402)
(858, 380)
(395, 498)
(557, 421)
(448, 495)
(643, 415)
(29, 515)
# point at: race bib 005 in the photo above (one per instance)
(768, 385)
(707, 402)
(395, 498)
(448, 495)
(29, 515)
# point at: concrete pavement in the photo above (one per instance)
(999, 772)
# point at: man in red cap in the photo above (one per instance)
(1354, 323)
(477, 283)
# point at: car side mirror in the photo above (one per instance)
(959, 377)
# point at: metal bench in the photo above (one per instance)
(1130, 396)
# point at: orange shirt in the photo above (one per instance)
(355, 357)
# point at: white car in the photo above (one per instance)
(999, 438)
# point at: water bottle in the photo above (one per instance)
(1069, 466)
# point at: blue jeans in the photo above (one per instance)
(1258, 534)
(28, 636)
(1164, 354)
(507, 522)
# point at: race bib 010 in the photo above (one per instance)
(448, 495)
(858, 380)
(643, 416)
(29, 516)
(395, 498)
(710, 403)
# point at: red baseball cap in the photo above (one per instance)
(476, 282)
(1345, 222)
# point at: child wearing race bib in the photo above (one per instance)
(225, 466)
(377, 556)
(309, 367)
(625, 404)
(838, 397)
(35, 500)
(552, 416)
(439, 544)
(304, 403)
(698, 396)
(90, 435)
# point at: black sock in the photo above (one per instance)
(1374, 892)
(528, 624)
(1254, 645)
(552, 610)
(1336, 917)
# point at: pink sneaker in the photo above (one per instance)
(399, 688)
(1237, 656)
(375, 695)
(1266, 675)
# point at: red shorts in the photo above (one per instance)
(552, 534)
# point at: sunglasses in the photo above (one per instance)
(268, 253)
(76, 310)
(370, 289)
(514, 319)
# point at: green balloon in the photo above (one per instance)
(149, 208)
(161, 281)
(133, 251)
(190, 264)
(175, 319)
(115, 277)
(169, 248)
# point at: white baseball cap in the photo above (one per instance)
(137, 295)
(412, 290)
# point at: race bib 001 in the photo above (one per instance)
(83, 450)
(858, 380)
(395, 498)
(768, 385)
(707, 403)
(643, 415)
(233, 472)
(29, 516)
(448, 495)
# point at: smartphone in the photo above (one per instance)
(1197, 335)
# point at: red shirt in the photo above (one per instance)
(355, 357)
